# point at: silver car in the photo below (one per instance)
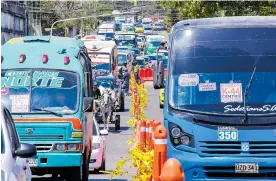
(14, 166)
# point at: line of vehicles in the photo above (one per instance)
(47, 93)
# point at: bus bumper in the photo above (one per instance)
(198, 168)
(50, 159)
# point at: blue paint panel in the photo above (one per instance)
(59, 159)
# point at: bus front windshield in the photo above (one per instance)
(212, 66)
(124, 40)
(37, 90)
(122, 59)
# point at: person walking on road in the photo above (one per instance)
(126, 79)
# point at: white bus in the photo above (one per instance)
(103, 55)
(108, 30)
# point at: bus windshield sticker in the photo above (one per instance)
(20, 103)
(185, 80)
(40, 79)
(4, 91)
(207, 86)
(231, 92)
(227, 134)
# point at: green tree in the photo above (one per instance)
(205, 9)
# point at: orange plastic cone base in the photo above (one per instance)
(172, 171)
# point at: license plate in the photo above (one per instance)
(247, 168)
(32, 162)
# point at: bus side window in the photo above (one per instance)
(86, 68)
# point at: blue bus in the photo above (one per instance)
(217, 68)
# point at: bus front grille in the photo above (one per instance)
(42, 147)
(229, 172)
(216, 147)
(260, 148)
(41, 137)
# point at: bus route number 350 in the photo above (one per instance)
(227, 134)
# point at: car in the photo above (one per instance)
(98, 155)
(104, 81)
(14, 155)
(139, 29)
(161, 97)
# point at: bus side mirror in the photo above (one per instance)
(87, 104)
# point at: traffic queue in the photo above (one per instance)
(56, 92)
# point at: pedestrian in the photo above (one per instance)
(126, 79)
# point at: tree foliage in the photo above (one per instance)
(74, 9)
(204, 9)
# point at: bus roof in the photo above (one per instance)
(228, 21)
(34, 47)
(100, 46)
(93, 38)
(125, 33)
(107, 26)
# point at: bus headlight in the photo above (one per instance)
(176, 132)
(179, 137)
(185, 140)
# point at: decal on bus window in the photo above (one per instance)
(227, 134)
(185, 80)
(231, 92)
(207, 86)
(4, 91)
(20, 103)
(40, 79)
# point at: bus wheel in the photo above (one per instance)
(85, 166)
(117, 122)
(73, 174)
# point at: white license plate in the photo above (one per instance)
(32, 162)
(247, 168)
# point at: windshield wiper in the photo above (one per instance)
(46, 110)
(245, 119)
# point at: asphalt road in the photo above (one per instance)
(116, 140)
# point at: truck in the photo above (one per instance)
(46, 83)
(219, 109)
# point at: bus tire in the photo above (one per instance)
(122, 105)
(85, 166)
(73, 174)
(117, 122)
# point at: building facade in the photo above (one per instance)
(14, 20)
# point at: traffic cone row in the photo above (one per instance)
(152, 135)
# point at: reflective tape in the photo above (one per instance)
(150, 130)
(142, 129)
(160, 141)
(147, 130)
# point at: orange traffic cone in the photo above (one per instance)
(172, 171)
(160, 151)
